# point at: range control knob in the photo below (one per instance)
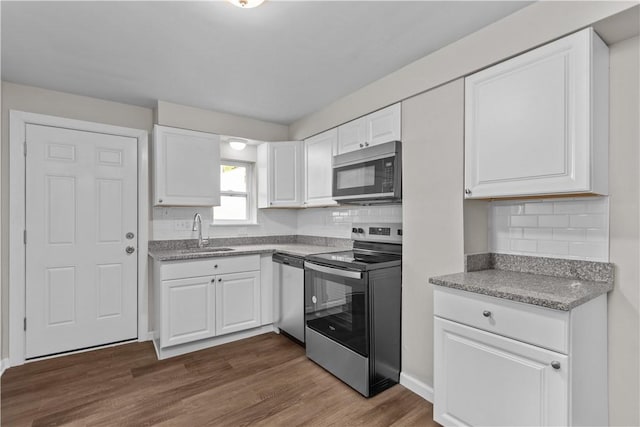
(360, 230)
(354, 230)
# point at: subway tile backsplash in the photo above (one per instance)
(576, 228)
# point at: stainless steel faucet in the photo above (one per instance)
(197, 226)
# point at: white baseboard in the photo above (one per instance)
(418, 387)
(4, 365)
(150, 336)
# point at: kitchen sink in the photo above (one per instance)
(203, 250)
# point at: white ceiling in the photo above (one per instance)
(278, 62)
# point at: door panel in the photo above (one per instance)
(482, 378)
(189, 306)
(81, 200)
(237, 302)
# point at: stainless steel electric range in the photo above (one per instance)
(352, 308)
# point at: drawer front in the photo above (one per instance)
(209, 266)
(523, 322)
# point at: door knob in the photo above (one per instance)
(130, 235)
(130, 250)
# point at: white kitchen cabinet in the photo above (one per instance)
(504, 363)
(237, 302)
(376, 128)
(280, 174)
(200, 301)
(186, 167)
(188, 307)
(537, 124)
(318, 158)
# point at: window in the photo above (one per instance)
(236, 194)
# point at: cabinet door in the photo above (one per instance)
(188, 310)
(352, 135)
(284, 170)
(186, 167)
(529, 122)
(237, 302)
(383, 126)
(484, 379)
(318, 158)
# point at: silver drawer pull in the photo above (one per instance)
(486, 313)
(555, 364)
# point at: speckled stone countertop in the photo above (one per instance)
(178, 250)
(558, 284)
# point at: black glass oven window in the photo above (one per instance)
(337, 308)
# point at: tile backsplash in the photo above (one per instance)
(169, 223)
(336, 222)
(576, 228)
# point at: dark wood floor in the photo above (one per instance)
(265, 380)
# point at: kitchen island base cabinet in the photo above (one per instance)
(208, 302)
(504, 363)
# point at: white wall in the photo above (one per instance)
(182, 116)
(624, 199)
(433, 226)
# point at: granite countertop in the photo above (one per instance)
(299, 249)
(552, 283)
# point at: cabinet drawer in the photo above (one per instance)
(209, 266)
(527, 323)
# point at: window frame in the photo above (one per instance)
(250, 194)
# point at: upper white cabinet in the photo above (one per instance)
(186, 167)
(537, 124)
(373, 129)
(280, 179)
(318, 156)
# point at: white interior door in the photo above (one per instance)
(81, 202)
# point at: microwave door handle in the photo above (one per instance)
(334, 271)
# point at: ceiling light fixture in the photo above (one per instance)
(237, 144)
(246, 4)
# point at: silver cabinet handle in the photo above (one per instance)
(220, 279)
(215, 266)
(555, 364)
(467, 191)
(130, 250)
(361, 145)
(366, 144)
(486, 313)
(213, 280)
(159, 200)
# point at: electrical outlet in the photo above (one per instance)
(182, 225)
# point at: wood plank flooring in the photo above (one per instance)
(265, 380)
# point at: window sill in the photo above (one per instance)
(233, 224)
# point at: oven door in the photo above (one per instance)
(337, 305)
(372, 179)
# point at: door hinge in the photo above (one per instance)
(25, 323)
(25, 148)
(24, 236)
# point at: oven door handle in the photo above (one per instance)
(335, 271)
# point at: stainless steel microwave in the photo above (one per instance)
(369, 175)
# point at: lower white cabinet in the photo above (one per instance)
(504, 363)
(200, 299)
(237, 302)
(188, 307)
(486, 379)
